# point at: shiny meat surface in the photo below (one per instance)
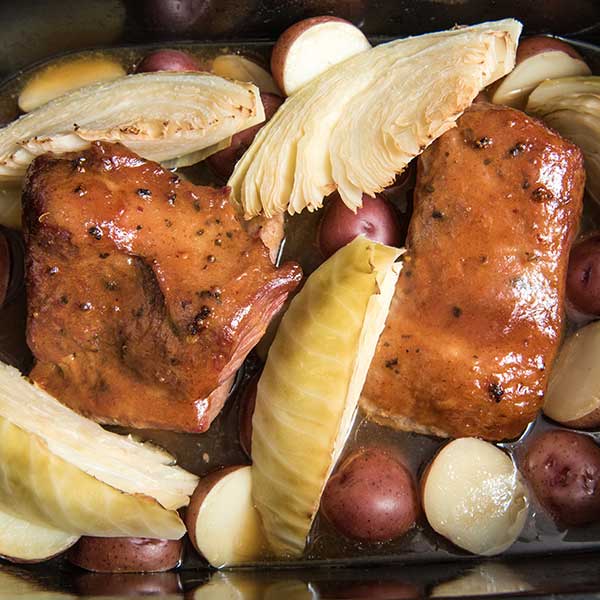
(145, 294)
(478, 312)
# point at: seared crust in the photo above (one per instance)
(477, 316)
(145, 293)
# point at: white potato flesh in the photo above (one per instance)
(228, 529)
(240, 68)
(61, 77)
(574, 387)
(527, 75)
(473, 496)
(23, 541)
(317, 49)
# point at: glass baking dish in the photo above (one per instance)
(420, 563)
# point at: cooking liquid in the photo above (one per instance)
(220, 445)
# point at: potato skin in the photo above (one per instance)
(287, 38)
(563, 469)
(377, 220)
(541, 43)
(167, 60)
(125, 555)
(204, 487)
(583, 276)
(223, 162)
(371, 497)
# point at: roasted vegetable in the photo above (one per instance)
(571, 105)
(61, 77)
(360, 122)
(473, 495)
(25, 542)
(61, 469)
(309, 388)
(161, 116)
(573, 396)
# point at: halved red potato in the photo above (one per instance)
(310, 47)
(573, 395)
(24, 542)
(125, 555)
(61, 77)
(222, 521)
(167, 60)
(473, 495)
(538, 58)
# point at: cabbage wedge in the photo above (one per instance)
(60, 469)
(571, 105)
(310, 386)
(161, 116)
(358, 124)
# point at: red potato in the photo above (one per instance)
(473, 495)
(23, 542)
(125, 555)
(538, 58)
(223, 524)
(247, 405)
(563, 468)
(371, 497)
(376, 220)
(223, 162)
(310, 47)
(583, 277)
(167, 60)
(241, 68)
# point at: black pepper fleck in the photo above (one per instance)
(218, 242)
(138, 227)
(428, 188)
(484, 142)
(229, 234)
(200, 232)
(103, 255)
(95, 232)
(517, 149)
(78, 164)
(391, 363)
(525, 185)
(495, 391)
(138, 312)
(64, 300)
(436, 214)
(541, 194)
(197, 206)
(211, 258)
(487, 161)
(456, 311)
(144, 193)
(80, 190)
(168, 223)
